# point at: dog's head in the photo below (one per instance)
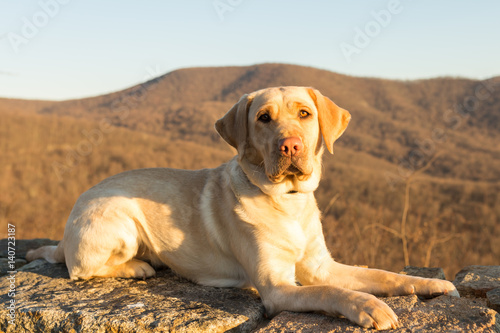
(278, 131)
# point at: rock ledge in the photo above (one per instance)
(46, 300)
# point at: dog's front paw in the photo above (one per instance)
(368, 311)
(435, 287)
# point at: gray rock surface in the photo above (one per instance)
(6, 265)
(20, 247)
(493, 298)
(476, 281)
(23, 245)
(425, 272)
(46, 300)
(441, 314)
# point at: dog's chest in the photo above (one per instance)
(291, 239)
(279, 223)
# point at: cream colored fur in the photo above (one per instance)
(251, 222)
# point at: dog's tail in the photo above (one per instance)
(52, 253)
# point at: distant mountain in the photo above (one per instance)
(52, 151)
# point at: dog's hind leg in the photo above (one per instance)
(114, 258)
(51, 253)
(109, 256)
(103, 242)
(133, 268)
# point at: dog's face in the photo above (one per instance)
(283, 133)
(278, 131)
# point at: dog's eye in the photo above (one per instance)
(303, 114)
(265, 118)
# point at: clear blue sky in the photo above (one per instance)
(61, 49)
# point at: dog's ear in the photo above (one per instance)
(233, 126)
(333, 120)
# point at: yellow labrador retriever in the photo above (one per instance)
(251, 222)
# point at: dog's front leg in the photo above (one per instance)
(361, 308)
(274, 278)
(318, 267)
(383, 283)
